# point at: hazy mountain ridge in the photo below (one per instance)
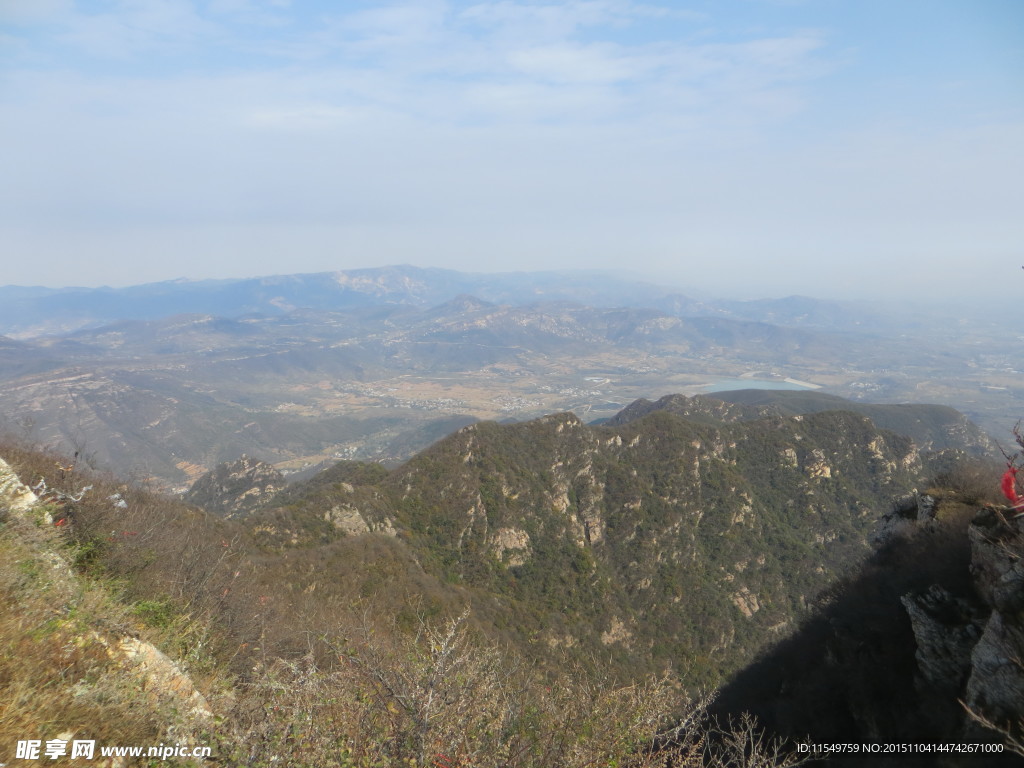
(132, 390)
(413, 348)
(41, 310)
(33, 311)
(931, 427)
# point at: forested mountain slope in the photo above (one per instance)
(661, 543)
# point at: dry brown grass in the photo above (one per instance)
(66, 599)
(56, 676)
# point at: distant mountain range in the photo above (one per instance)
(374, 364)
(176, 395)
(34, 311)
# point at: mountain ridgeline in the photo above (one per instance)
(54, 310)
(931, 427)
(659, 542)
(165, 381)
(564, 584)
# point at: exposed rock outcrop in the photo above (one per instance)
(996, 683)
(160, 678)
(236, 487)
(908, 514)
(351, 521)
(946, 629)
(928, 632)
(974, 650)
(512, 545)
(14, 494)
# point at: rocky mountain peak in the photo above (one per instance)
(236, 487)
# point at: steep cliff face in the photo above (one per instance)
(927, 633)
(969, 642)
(995, 685)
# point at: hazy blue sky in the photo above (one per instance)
(750, 147)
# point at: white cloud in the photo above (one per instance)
(35, 12)
(433, 60)
(545, 22)
(564, 63)
(439, 130)
(261, 13)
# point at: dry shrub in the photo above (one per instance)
(443, 698)
(1012, 734)
(179, 565)
(973, 481)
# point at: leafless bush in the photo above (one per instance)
(1011, 734)
(974, 481)
(443, 698)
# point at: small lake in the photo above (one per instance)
(728, 385)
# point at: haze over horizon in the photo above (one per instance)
(667, 285)
(746, 147)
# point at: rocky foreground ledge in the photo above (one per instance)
(974, 649)
(923, 644)
(161, 680)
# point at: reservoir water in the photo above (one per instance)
(728, 385)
